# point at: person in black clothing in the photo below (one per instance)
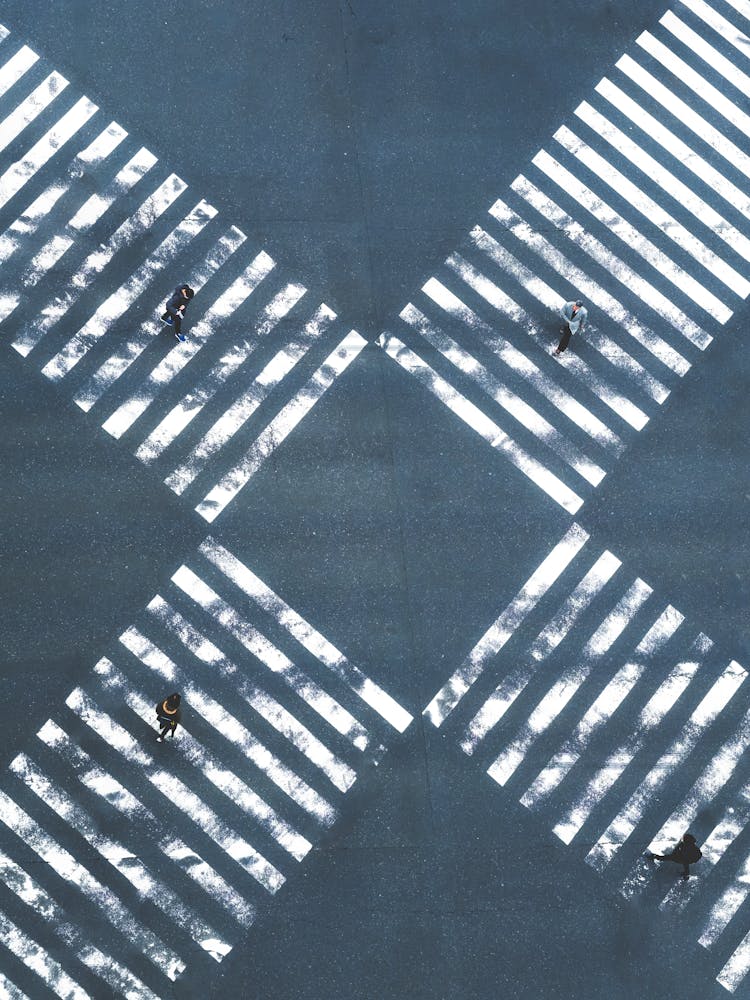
(174, 313)
(685, 853)
(168, 715)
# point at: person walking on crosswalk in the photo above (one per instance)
(686, 852)
(575, 315)
(168, 715)
(174, 313)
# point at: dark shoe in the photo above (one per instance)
(180, 336)
(650, 857)
(557, 351)
(168, 320)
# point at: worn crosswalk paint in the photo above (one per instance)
(101, 783)
(652, 311)
(186, 411)
(169, 367)
(267, 707)
(619, 759)
(446, 700)
(557, 686)
(231, 482)
(323, 650)
(255, 642)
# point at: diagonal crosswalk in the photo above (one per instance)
(204, 832)
(88, 261)
(640, 725)
(638, 207)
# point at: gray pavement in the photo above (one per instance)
(349, 515)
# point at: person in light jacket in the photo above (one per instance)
(575, 315)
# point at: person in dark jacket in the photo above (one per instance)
(575, 315)
(685, 853)
(174, 313)
(168, 715)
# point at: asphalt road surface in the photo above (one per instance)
(461, 628)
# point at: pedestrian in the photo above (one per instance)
(685, 853)
(174, 313)
(168, 715)
(575, 315)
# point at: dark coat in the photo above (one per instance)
(178, 303)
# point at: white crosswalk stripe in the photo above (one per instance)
(119, 362)
(229, 364)
(108, 345)
(228, 808)
(36, 958)
(649, 307)
(113, 307)
(283, 719)
(680, 708)
(62, 862)
(119, 856)
(30, 108)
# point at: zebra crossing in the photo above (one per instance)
(643, 725)
(88, 261)
(203, 833)
(639, 207)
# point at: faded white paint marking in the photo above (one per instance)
(687, 76)
(123, 298)
(221, 777)
(171, 365)
(202, 815)
(714, 846)
(577, 367)
(603, 708)
(514, 358)
(651, 341)
(653, 212)
(608, 348)
(123, 357)
(230, 484)
(712, 779)
(241, 410)
(653, 713)
(686, 115)
(120, 857)
(165, 960)
(545, 643)
(132, 229)
(189, 408)
(666, 180)
(30, 108)
(570, 680)
(498, 634)
(726, 29)
(18, 64)
(103, 784)
(684, 155)
(20, 172)
(312, 640)
(34, 957)
(339, 773)
(630, 815)
(635, 240)
(271, 657)
(492, 433)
